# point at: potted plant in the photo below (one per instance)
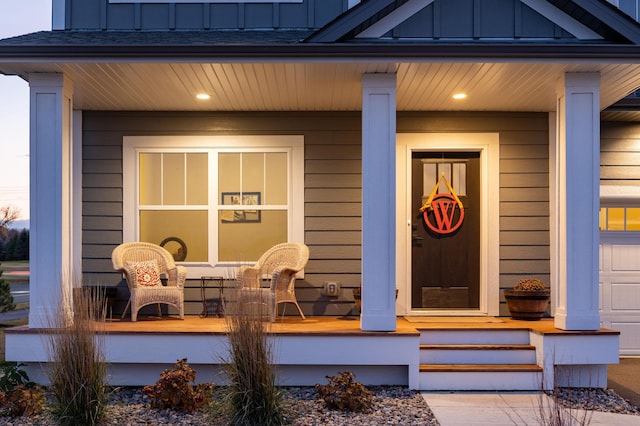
(528, 300)
(357, 297)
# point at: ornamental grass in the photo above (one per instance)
(252, 395)
(78, 370)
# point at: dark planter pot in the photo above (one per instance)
(357, 297)
(527, 305)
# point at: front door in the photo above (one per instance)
(445, 238)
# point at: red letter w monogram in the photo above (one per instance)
(444, 212)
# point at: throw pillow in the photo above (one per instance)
(147, 272)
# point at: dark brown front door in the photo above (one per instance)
(445, 263)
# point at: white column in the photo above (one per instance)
(575, 202)
(378, 202)
(51, 190)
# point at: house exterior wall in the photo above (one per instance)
(333, 187)
(104, 15)
(464, 19)
(620, 153)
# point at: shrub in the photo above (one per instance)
(18, 395)
(344, 394)
(24, 401)
(175, 391)
(253, 398)
(78, 370)
(6, 299)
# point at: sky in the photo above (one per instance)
(17, 17)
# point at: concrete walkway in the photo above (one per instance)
(510, 408)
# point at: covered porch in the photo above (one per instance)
(425, 353)
(544, 223)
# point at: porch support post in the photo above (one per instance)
(378, 202)
(51, 188)
(575, 202)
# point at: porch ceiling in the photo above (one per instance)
(319, 86)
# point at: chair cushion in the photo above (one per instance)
(147, 272)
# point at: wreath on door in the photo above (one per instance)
(443, 212)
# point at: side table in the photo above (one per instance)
(203, 290)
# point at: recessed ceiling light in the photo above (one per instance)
(459, 96)
(203, 96)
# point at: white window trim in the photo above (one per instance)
(132, 144)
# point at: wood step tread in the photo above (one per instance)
(481, 368)
(501, 347)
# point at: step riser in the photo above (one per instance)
(486, 381)
(474, 337)
(477, 357)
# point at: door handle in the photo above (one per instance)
(416, 238)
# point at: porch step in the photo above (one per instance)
(478, 354)
(480, 368)
(463, 377)
(474, 336)
(478, 359)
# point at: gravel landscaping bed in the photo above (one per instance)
(394, 405)
(605, 400)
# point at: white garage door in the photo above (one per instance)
(620, 277)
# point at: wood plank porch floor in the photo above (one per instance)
(314, 326)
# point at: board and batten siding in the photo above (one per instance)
(333, 184)
(468, 19)
(104, 15)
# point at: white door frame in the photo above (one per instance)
(488, 145)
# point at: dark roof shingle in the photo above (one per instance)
(157, 38)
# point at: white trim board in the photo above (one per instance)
(622, 194)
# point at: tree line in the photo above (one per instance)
(14, 244)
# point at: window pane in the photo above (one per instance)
(240, 241)
(150, 169)
(603, 219)
(253, 172)
(276, 184)
(173, 179)
(615, 218)
(197, 179)
(188, 226)
(228, 173)
(633, 219)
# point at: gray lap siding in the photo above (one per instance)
(332, 189)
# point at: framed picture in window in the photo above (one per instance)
(246, 200)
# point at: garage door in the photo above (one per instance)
(620, 275)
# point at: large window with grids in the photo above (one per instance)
(213, 201)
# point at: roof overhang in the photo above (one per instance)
(241, 77)
(307, 70)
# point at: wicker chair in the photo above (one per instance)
(280, 263)
(127, 257)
